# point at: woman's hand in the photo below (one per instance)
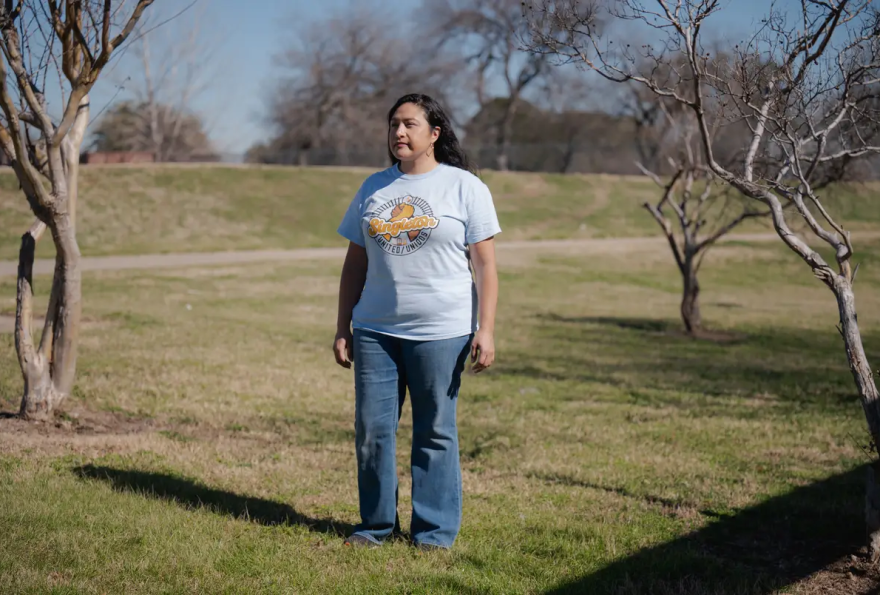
(482, 350)
(351, 284)
(486, 274)
(343, 348)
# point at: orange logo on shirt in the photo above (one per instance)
(403, 225)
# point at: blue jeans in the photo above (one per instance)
(384, 367)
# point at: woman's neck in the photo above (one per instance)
(421, 165)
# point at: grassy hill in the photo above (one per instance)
(129, 210)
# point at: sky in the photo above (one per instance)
(247, 34)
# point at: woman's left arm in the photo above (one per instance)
(486, 276)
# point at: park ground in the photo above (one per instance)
(208, 445)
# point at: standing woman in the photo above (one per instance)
(409, 296)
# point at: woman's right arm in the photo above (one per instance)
(351, 284)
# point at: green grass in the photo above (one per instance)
(137, 210)
(211, 449)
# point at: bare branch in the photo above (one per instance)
(83, 84)
(10, 46)
(105, 27)
(657, 212)
(758, 136)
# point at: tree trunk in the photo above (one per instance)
(568, 155)
(38, 390)
(49, 370)
(504, 133)
(690, 300)
(501, 161)
(867, 389)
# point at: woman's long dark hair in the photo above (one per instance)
(446, 148)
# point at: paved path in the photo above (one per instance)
(195, 259)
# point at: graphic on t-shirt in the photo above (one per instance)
(403, 225)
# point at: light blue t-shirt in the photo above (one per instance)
(416, 230)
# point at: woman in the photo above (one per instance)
(408, 293)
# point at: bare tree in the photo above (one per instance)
(337, 81)
(807, 84)
(557, 139)
(159, 129)
(694, 210)
(488, 33)
(77, 37)
(178, 66)
(570, 98)
(174, 56)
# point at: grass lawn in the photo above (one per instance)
(140, 210)
(208, 446)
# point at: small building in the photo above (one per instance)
(117, 157)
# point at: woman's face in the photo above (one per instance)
(409, 133)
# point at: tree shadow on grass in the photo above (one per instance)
(555, 478)
(191, 494)
(648, 325)
(634, 353)
(757, 550)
